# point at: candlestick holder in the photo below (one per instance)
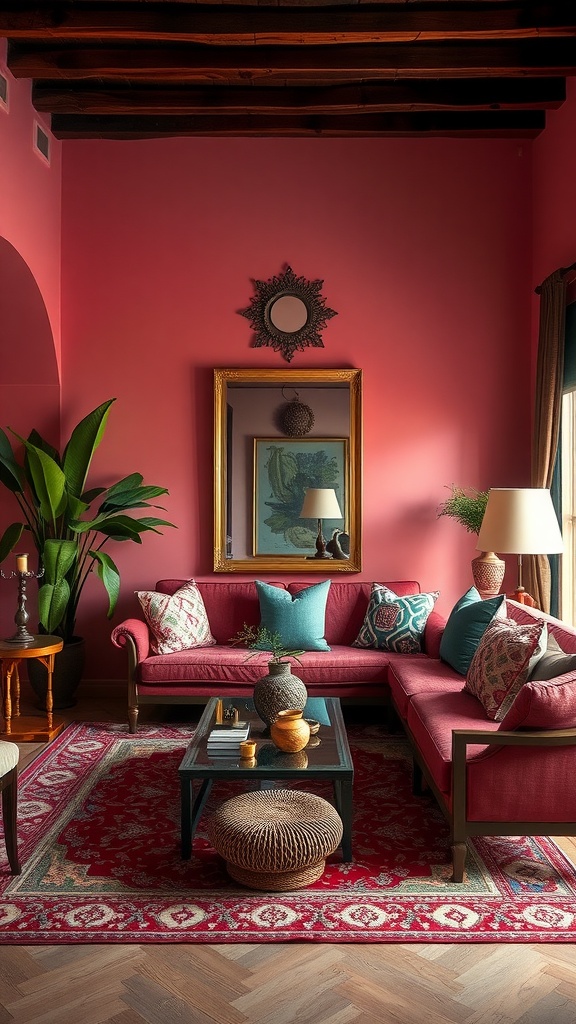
(22, 637)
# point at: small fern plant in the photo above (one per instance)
(262, 640)
(466, 506)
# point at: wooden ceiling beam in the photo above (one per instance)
(195, 63)
(521, 125)
(211, 23)
(412, 94)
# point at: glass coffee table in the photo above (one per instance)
(326, 757)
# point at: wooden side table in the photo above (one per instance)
(34, 727)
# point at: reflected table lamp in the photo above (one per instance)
(520, 521)
(320, 503)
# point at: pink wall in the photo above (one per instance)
(30, 220)
(554, 176)
(425, 252)
(30, 197)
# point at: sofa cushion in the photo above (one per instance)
(178, 621)
(394, 623)
(554, 662)
(298, 618)
(465, 628)
(416, 673)
(505, 657)
(431, 719)
(340, 668)
(347, 603)
(544, 704)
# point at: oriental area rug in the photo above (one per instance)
(99, 832)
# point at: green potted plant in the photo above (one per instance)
(280, 690)
(261, 640)
(68, 532)
(467, 507)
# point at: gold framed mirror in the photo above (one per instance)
(261, 475)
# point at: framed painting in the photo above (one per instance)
(284, 469)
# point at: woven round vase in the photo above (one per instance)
(280, 690)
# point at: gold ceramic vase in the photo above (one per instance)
(290, 732)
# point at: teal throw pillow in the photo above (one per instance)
(395, 623)
(298, 618)
(466, 626)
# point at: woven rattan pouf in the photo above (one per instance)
(275, 839)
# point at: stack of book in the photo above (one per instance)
(225, 740)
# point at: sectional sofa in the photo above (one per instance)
(506, 777)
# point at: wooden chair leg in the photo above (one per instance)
(419, 785)
(9, 816)
(459, 851)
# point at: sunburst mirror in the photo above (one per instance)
(288, 313)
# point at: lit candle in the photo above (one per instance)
(22, 563)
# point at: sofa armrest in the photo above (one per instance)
(433, 631)
(135, 635)
(462, 738)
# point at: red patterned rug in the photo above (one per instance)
(99, 821)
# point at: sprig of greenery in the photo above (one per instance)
(262, 641)
(467, 507)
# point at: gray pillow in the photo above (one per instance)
(554, 662)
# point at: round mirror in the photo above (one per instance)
(288, 313)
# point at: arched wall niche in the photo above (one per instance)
(29, 384)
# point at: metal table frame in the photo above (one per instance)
(191, 770)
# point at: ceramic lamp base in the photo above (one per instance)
(488, 573)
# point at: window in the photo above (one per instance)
(568, 477)
(566, 465)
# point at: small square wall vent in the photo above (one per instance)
(42, 141)
(3, 91)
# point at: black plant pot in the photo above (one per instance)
(68, 669)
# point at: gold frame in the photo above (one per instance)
(293, 379)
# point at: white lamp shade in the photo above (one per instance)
(520, 521)
(320, 503)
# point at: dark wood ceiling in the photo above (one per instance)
(124, 69)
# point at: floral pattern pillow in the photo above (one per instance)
(506, 655)
(177, 621)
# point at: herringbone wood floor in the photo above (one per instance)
(280, 984)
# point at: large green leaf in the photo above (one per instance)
(48, 481)
(83, 442)
(134, 497)
(10, 472)
(58, 558)
(108, 573)
(38, 441)
(76, 508)
(10, 538)
(53, 601)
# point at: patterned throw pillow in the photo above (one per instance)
(177, 621)
(506, 655)
(395, 623)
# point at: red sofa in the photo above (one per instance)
(493, 778)
(225, 671)
(490, 778)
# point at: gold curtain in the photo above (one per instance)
(548, 407)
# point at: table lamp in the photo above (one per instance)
(520, 521)
(320, 503)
